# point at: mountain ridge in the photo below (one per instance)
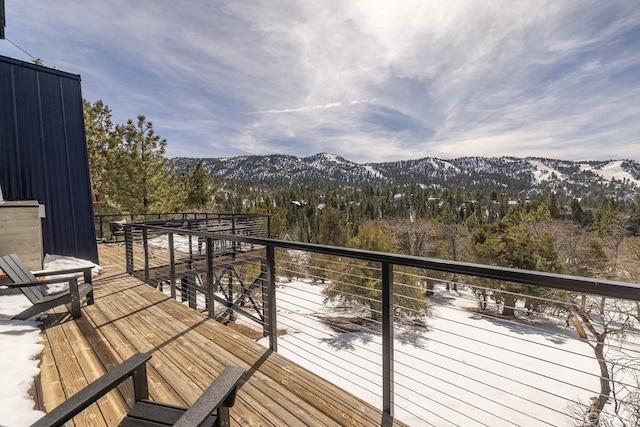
(520, 174)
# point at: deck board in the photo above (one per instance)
(189, 351)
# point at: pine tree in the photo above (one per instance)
(333, 227)
(144, 183)
(512, 243)
(611, 227)
(103, 149)
(198, 186)
(332, 231)
(358, 283)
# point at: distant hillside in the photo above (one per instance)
(615, 177)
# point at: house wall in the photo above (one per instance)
(43, 153)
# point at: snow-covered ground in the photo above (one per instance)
(610, 171)
(181, 243)
(20, 346)
(462, 369)
(543, 172)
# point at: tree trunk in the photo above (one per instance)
(429, 288)
(509, 304)
(605, 384)
(483, 301)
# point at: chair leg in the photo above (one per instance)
(87, 279)
(75, 298)
(223, 417)
(140, 383)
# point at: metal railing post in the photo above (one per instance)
(233, 233)
(209, 277)
(128, 247)
(271, 298)
(268, 226)
(172, 267)
(387, 338)
(145, 247)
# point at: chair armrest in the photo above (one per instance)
(222, 392)
(40, 282)
(66, 271)
(88, 395)
(86, 273)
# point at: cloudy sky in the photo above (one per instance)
(370, 80)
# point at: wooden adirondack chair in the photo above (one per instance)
(35, 290)
(211, 409)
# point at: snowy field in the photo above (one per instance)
(21, 346)
(461, 369)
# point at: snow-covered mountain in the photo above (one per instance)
(509, 173)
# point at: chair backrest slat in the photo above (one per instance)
(17, 272)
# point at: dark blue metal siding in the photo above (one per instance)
(43, 153)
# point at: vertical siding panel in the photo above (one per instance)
(29, 134)
(8, 131)
(77, 155)
(57, 168)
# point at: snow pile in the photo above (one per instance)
(20, 343)
(59, 262)
(21, 346)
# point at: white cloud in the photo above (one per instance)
(309, 108)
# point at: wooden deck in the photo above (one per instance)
(189, 350)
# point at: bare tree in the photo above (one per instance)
(598, 320)
(418, 238)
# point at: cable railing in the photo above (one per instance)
(109, 228)
(431, 342)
